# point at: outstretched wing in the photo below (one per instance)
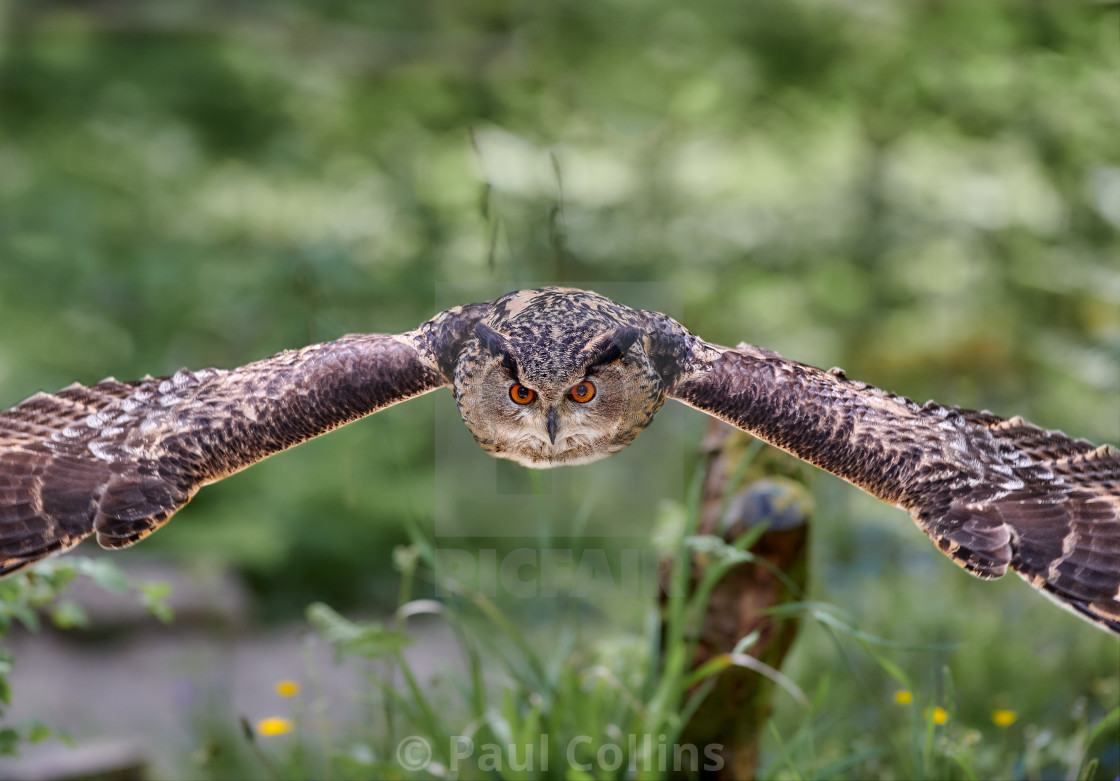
(119, 458)
(992, 493)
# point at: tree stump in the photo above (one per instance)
(735, 711)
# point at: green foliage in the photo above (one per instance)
(566, 695)
(566, 698)
(41, 589)
(924, 193)
(921, 192)
(368, 640)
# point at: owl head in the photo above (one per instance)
(551, 378)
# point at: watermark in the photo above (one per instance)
(414, 753)
(582, 753)
(529, 573)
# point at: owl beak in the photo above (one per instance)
(551, 423)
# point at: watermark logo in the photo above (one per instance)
(568, 573)
(582, 753)
(414, 753)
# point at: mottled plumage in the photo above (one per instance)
(557, 376)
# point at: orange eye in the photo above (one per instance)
(520, 394)
(584, 392)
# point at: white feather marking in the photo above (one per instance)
(183, 378)
(101, 450)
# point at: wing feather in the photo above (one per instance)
(992, 493)
(120, 458)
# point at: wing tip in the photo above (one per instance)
(1103, 613)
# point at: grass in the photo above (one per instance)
(584, 697)
(538, 686)
(581, 700)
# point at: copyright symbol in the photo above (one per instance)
(414, 753)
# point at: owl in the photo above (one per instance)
(553, 377)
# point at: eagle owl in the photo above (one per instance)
(557, 376)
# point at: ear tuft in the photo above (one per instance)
(498, 346)
(609, 347)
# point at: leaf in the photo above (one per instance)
(1110, 721)
(406, 557)
(28, 617)
(65, 738)
(153, 597)
(717, 549)
(9, 741)
(67, 614)
(723, 661)
(38, 732)
(103, 573)
(364, 639)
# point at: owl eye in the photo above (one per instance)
(520, 394)
(584, 392)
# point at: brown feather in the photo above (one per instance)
(119, 459)
(991, 492)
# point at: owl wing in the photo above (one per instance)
(991, 492)
(119, 458)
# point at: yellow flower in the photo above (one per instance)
(938, 714)
(1004, 718)
(273, 726)
(903, 697)
(287, 688)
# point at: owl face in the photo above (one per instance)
(553, 385)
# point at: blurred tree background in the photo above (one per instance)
(924, 193)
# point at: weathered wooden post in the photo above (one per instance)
(736, 709)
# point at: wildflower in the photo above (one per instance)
(273, 726)
(938, 714)
(903, 697)
(287, 688)
(1004, 718)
